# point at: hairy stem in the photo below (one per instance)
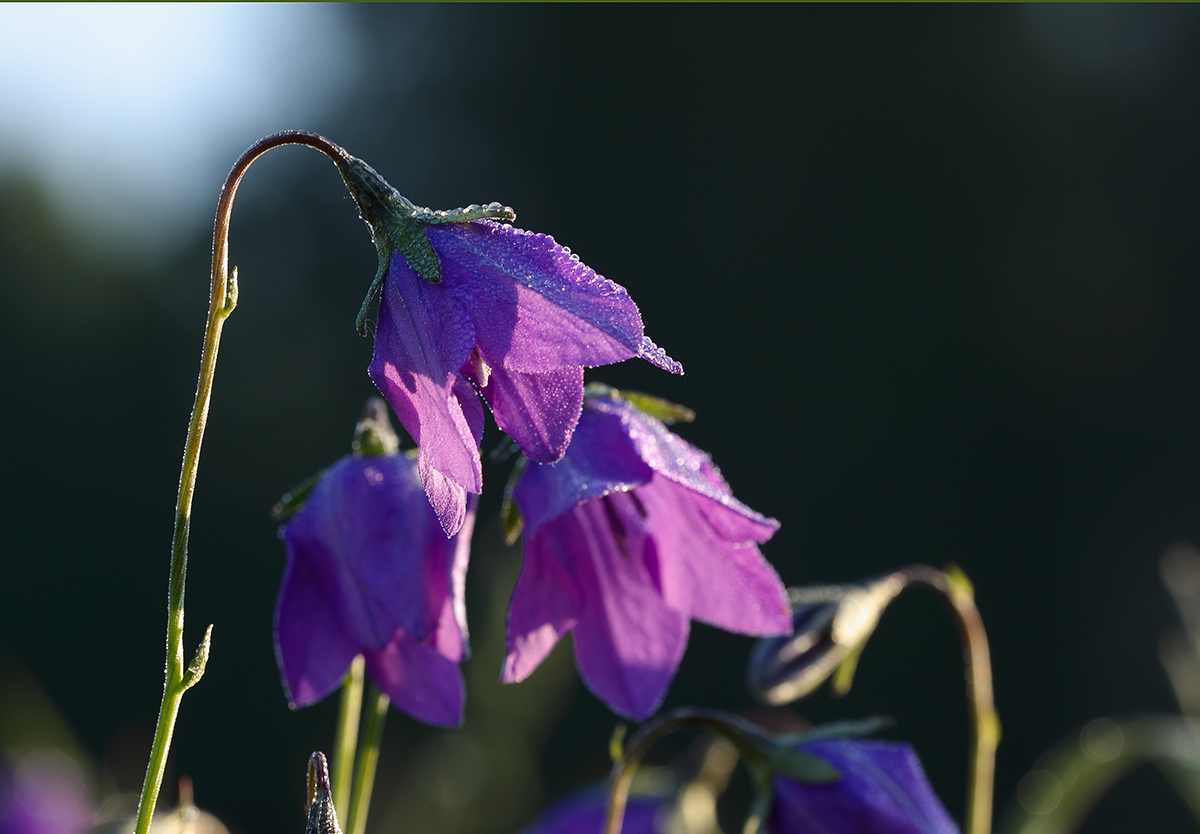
(222, 300)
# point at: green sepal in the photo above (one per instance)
(396, 224)
(511, 523)
(849, 728)
(664, 410)
(195, 669)
(801, 766)
(293, 500)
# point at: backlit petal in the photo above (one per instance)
(422, 338)
(601, 460)
(544, 606)
(628, 643)
(725, 584)
(538, 411)
(536, 307)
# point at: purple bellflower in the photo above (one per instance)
(369, 571)
(628, 538)
(882, 790)
(584, 813)
(469, 306)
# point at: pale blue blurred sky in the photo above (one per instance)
(133, 114)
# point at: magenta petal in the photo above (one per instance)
(628, 643)
(536, 307)
(538, 411)
(422, 338)
(724, 583)
(445, 591)
(674, 458)
(312, 649)
(544, 606)
(419, 681)
(601, 460)
(657, 357)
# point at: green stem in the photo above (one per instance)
(222, 300)
(650, 734)
(368, 758)
(347, 735)
(985, 723)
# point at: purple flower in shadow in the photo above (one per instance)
(584, 813)
(515, 317)
(628, 538)
(369, 571)
(45, 794)
(883, 790)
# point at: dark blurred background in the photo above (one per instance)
(931, 271)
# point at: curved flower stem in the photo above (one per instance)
(985, 723)
(368, 758)
(222, 300)
(649, 735)
(347, 735)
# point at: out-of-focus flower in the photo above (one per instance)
(45, 794)
(584, 813)
(469, 303)
(628, 538)
(882, 790)
(369, 571)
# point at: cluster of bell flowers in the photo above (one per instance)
(630, 532)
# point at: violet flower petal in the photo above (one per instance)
(418, 680)
(883, 790)
(724, 583)
(422, 338)
(536, 307)
(585, 813)
(674, 458)
(367, 534)
(544, 606)
(601, 460)
(312, 649)
(538, 411)
(628, 643)
(446, 591)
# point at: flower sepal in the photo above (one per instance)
(395, 223)
(662, 410)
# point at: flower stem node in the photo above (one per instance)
(195, 669)
(396, 222)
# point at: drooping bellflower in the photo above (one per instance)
(882, 790)
(369, 571)
(628, 538)
(469, 306)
